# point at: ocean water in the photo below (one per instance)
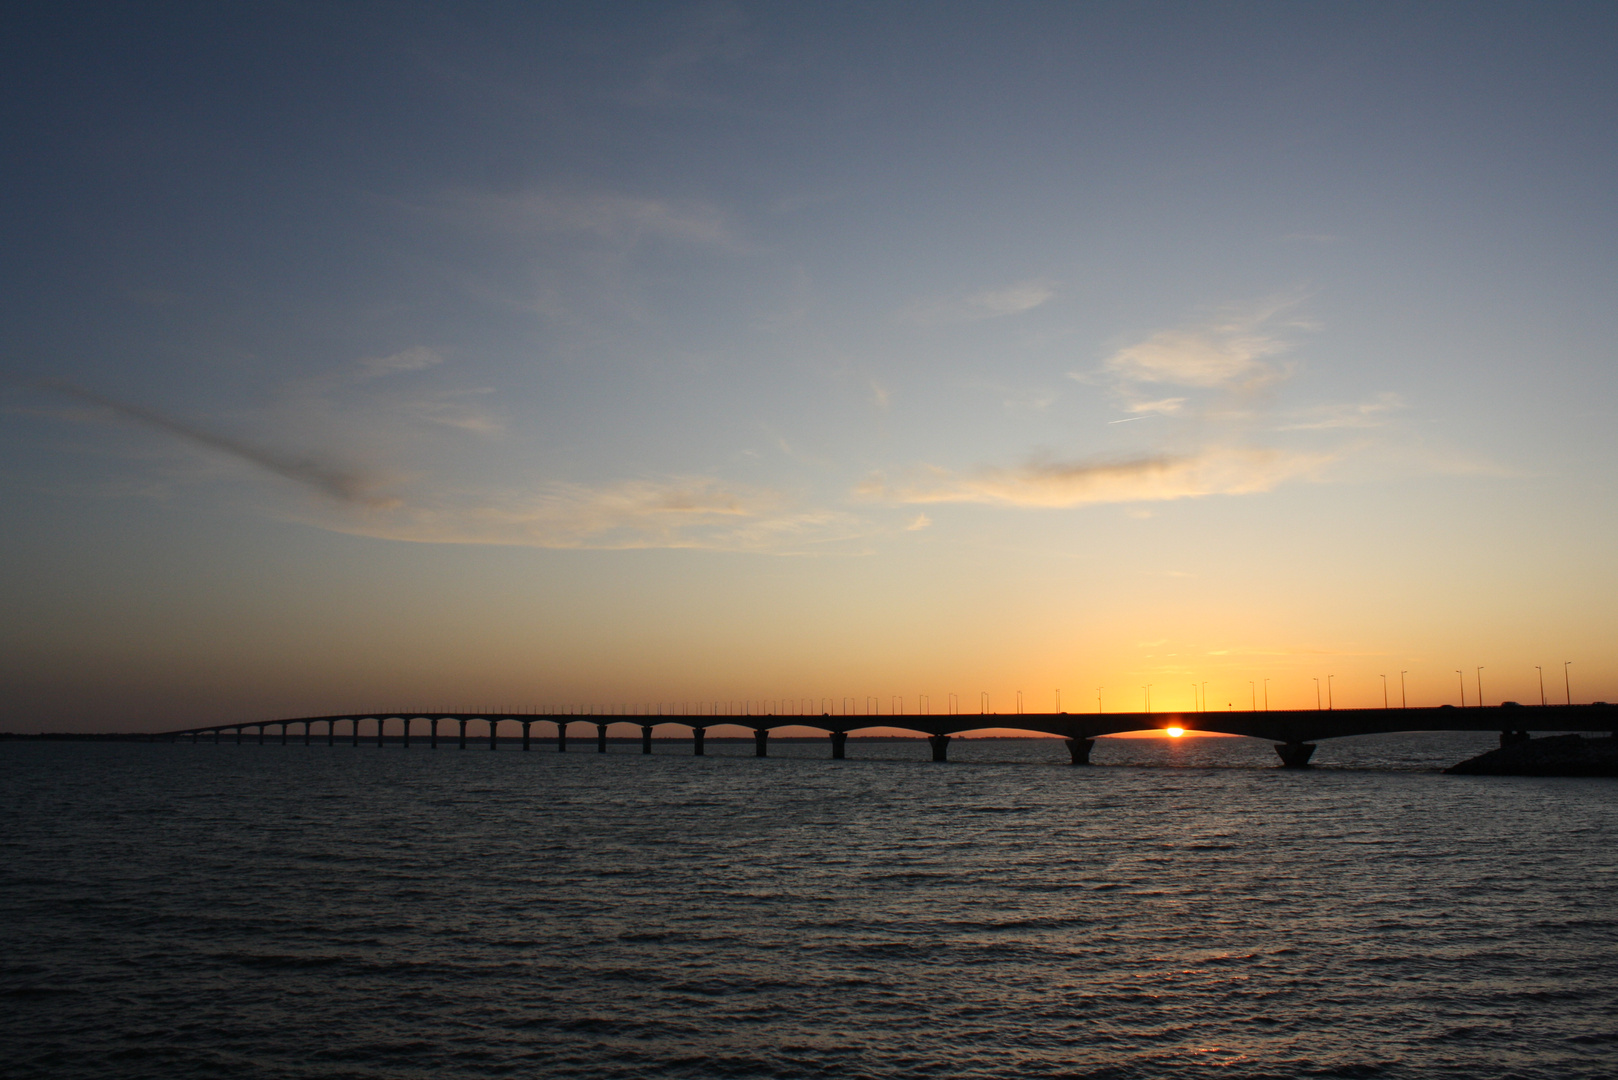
(1176, 909)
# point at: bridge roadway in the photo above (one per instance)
(1293, 731)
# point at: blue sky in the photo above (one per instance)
(631, 353)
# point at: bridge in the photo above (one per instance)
(1295, 732)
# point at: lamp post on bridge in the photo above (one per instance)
(1384, 691)
(1317, 693)
(1461, 675)
(1541, 685)
(1403, 704)
(1266, 695)
(1098, 699)
(1566, 684)
(1329, 704)
(1480, 686)
(1252, 693)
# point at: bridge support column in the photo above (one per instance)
(1512, 738)
(526, 724)
(194, 735)
(463, 734)
(940, 745)
(601, 738)
(283, 733)
(493, 734)
(432, 734)
(261, 734)
(761, 742)
(697, 735)
(380, 725)
(405, 721)
(306, 726)
(561, 736)
(238, 735)
(1295, 755)
(1080, 749)
(646, 738)
(331, 733)
(356, 723)
(216, 736)
(839, 744)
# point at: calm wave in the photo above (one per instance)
(211, 911)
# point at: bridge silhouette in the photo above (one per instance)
(1294, 732)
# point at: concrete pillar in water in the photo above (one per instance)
(194, 736)
(601, 738)
(839, 740)
(463, 733)
(1080, 749)
(493, 724)
(1295, 755)
(432, 734)
(283, 733)
(356, 723)
(331, 733)
(261, 734)
(238, 734)
(405, 722)
(761, 742)
(306, 733)
(940, 745)
(697, 735)
(380, 722)
(561, 736)
(646, 738)
(216, 736)
(1512, 738)
(526, 724)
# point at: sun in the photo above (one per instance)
(1176, 732)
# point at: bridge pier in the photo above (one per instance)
(306, 726)
(283, 733)
(194, 736)
(561, 736)
(463, 733)
(646, 738)
(1295, 755)
(761, 742)
(526, 724)
(261, 734)
(1080, 749)
(432, 734)
(380, 724)
(493, 725)
(238, 734)
(697, 735)
(356, 723)
(405, 721)
(1512, 738)
(839, 743)
(601, 738)
(331, 733)
(940, 745)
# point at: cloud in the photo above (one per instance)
(327, 478)
(1055, 484)
(1366, 414)
(618, 219)
(921, 522)
(416, 358)
(695, 512)
(989, 304)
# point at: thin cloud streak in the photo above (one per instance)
(327, 478)
(1156, 478)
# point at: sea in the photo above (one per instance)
(1177, 908)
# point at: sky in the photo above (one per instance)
(530, 356)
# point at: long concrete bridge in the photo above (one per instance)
(1294, 732)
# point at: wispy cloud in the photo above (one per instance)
(693, 512)
(1235, 351)
(416, 358)
(327, 477)
(618, 219)
(1214, 471)
(1365, 414)
(989, 304)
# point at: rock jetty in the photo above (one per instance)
(1555, 755)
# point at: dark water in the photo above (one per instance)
(223, 911)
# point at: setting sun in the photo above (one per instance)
(1176, 732)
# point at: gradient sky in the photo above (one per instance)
(495, 355)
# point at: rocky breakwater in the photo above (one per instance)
(1555, 755)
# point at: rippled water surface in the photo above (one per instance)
(290, 911)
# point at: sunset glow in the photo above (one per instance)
(1176, 732)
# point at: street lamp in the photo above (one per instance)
(1098, 699)
(1567, 685)
(1329, 704)
(1205, 696)
(1541, 685)
(1266, 695)
(1317, 694)
(1384, 691)
(1462, 676)
(1252, 693)
(1403, 703)
(1480, 686)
